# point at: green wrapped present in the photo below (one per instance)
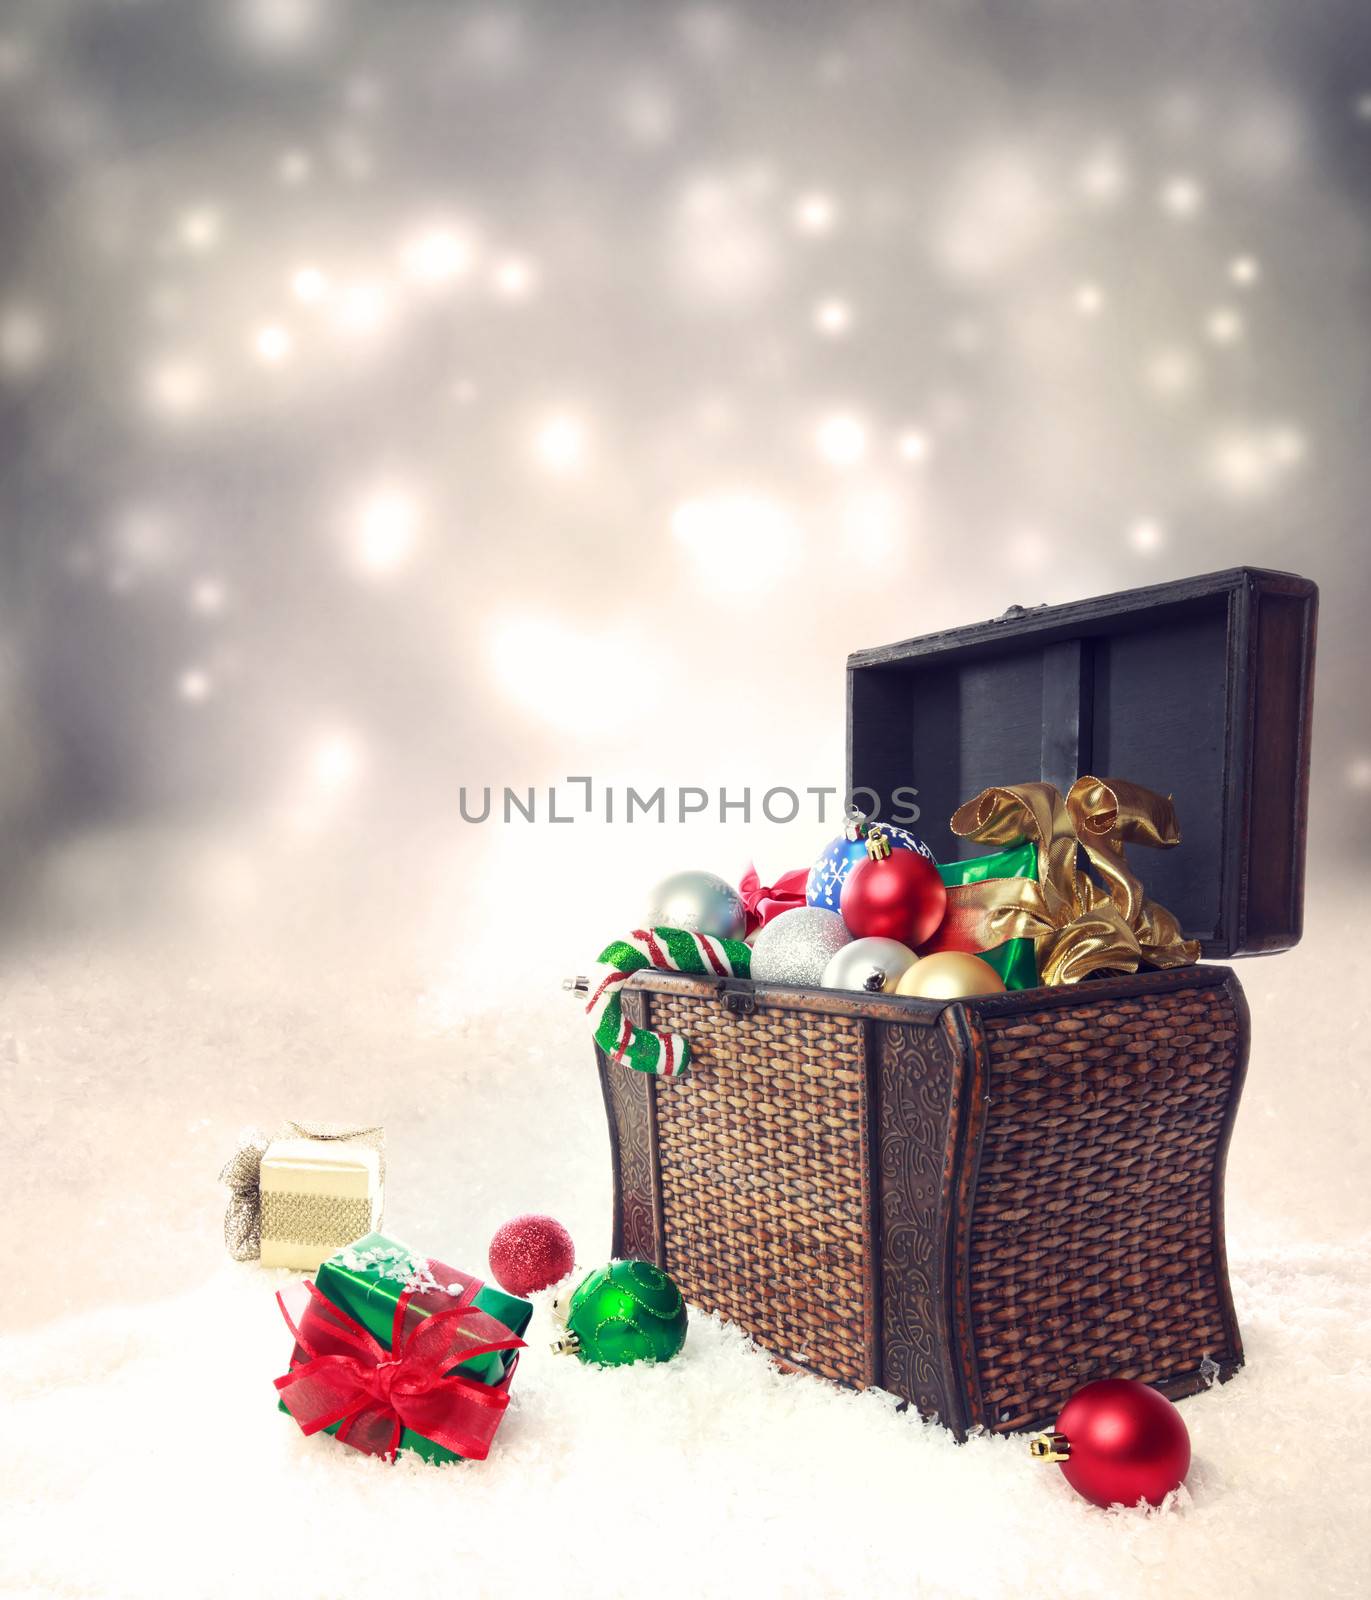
(427, 1353)
(1014, 960)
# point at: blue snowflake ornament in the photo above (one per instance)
(824, 886)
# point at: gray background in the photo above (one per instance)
(1106, 264)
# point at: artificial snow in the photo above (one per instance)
(143, 1454)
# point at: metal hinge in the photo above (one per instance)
(1010, 612)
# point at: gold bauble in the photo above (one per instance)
(949, 975)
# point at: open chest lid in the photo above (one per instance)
(1200, 689)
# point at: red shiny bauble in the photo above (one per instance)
(531, 1253)
(899, 896)
(1125, 1442)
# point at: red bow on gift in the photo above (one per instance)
(340, 1373)
(762, 903)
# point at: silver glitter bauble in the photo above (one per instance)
(796, 946)
(698, 902)
(874, 966)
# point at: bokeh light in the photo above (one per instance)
(739, 542)
(200, 228)
(438, 256)
(1147, 535)
(176, 388)
(648, 114)
(574, 680)
(362, 308)
(722, 246)
(833, 317)
(842, 440)
(335, 761)
(208, 597)
(1103, 178)
(193, 685)
(1249, 462)
(273, 344)
(514, 278)
(1224, 325)
(815, 214)
(1172, 372)
(309, 285)
(281, 28)
(996, 213)
(560, 443)
(1182, 197)
(384, 531)
(914, 446)
(23, 340)
(295, 167)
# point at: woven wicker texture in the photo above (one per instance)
(764, 1179)
(1093, 1232)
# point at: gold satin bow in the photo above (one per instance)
(1077, 926)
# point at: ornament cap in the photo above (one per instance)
(567, 1345)
(854, 825)
(877, 845)
(1049, 1447)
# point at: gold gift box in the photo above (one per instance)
(317, 1195)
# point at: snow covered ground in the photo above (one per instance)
(143, 1455)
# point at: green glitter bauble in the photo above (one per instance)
(628, 1311)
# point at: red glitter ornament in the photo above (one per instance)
(531, 1253)
(893, 894)
(1118, 1441)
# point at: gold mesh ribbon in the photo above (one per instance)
(242, 1173)
(314, 1219)
(1078, 925)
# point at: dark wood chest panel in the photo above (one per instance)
(1200, 689)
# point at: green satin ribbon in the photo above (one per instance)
(368, 1291)
(1014, 959)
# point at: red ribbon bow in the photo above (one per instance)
(762, 903)
(340, 1373)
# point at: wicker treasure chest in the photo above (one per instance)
(980, 1205)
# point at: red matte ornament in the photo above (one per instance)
(893, 894)
(530, 1253)
(1117, 1442)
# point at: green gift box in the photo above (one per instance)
(1015, 959)
(367, 1282)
